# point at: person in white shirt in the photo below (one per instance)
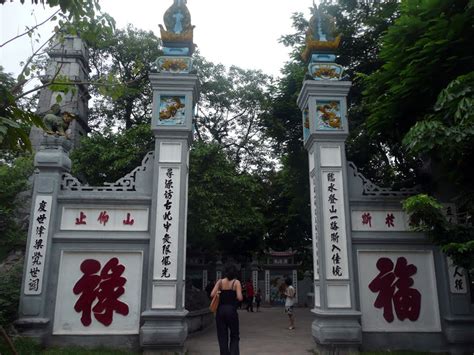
(290, 301)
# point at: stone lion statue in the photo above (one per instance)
(56, 122)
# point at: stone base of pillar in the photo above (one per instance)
(458, 332)
(337, 330)
(163, 332)
(336, 349)
(33, 328)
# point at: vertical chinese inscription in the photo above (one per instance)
(334, 225)
(314, 217)
(167, 224)
(457, 278)
(37, 247)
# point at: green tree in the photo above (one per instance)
(232, 103)
(422, 97)
(225, 205)
(113, 154)
(122, 61)
(13, 179)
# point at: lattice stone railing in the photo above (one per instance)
(126, 183)
(370, 189)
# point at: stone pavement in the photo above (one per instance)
(262, 333)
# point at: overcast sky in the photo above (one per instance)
(233, 32)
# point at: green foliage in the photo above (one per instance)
(113, 154)
(423, 97)
(232, 104)
(14, 122)
(448, 133)
(426, 48)
(287, 212)
(456, 240)
(27, 346)
(13, 180)
(121, 62)
(10, 284)
(425, 212)
(225, 205)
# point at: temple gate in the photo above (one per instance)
(108, 263)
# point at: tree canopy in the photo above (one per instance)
(421, 100)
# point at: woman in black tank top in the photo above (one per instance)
(227, 318)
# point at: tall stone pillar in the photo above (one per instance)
(68, 59)
(175, 91)
(325, 127)
(51, 162)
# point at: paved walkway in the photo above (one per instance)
(262, 333)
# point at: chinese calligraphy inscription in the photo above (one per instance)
(37, 247)
(315, 227)
(394, 287)
(457, 278)
(100, 290)
(167, 223)
(334, 225)
(105, 219)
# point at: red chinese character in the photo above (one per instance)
(367, 219)
(103, 289)
(103, 217)
(128, 221)
(389, 220)
(394, 285)
(81, 219)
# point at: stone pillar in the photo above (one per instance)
(337, 323)
(219, 268)
(204, 279)
(174, 98)
(254, 268)
(294, 277)
(267, 286)
(68, 59)
(51, 161)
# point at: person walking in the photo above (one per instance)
(227, 319)
(250, 294)
(290, 301)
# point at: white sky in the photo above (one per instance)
(233, 32)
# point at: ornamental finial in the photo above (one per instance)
(322, 43)
(177, 39)
(179, 30)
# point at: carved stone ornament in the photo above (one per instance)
(57, 123)
(322, 34)
(177, 20)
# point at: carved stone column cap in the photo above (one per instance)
(55, 142)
